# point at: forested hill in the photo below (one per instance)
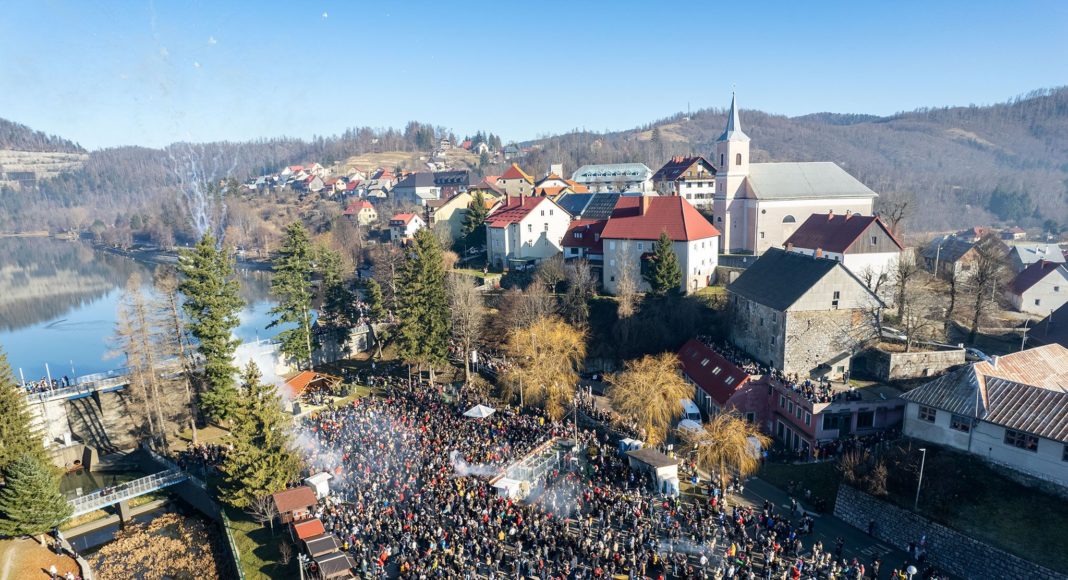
(19, 137)
(999, 164)
(964, 165)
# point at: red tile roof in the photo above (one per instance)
(673, 215)
(402, 217)
(514, 211)
(549, 191)
(591, 235)
(357, 205)
(835, 232)
(309, 528)
(577, 187)
(294, 499)
(1033, 274)
(714, 374)
(514, 172)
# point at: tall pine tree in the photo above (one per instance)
(665, 276)
(30, 501)
(292, 285)
(17, 436)
(423, 304)
(376, 303)
(473, 233)
(262, 460)
(212, 304)
(338, 313)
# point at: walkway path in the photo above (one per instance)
(828, 529)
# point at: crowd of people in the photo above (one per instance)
(44, 384)
(411, 498)
(735, 356)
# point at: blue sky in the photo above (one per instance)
(150, 73)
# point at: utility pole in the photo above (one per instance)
(923, 460)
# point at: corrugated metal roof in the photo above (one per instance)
(1026, 391)
(820, 179)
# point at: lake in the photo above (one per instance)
(58, 304)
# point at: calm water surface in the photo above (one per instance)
(58, 302)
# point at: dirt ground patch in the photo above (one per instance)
(27, 560)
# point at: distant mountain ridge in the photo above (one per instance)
(975, 165)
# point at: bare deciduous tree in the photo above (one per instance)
(551, 272)
(580, 288)
(989, 272)
(626, 284)
(263, 511)
(467, 313)
(135, 337)
(905, 269)
(896, 208)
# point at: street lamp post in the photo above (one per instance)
(923, 460)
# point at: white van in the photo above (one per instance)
(690, 411)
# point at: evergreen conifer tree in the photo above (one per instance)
(212, 304)
(292, 285)
(376, 303)
(262, 460)
(338, 314)
(665, 276)
(472, 231)
(423, 303)
(17, 436)
(30, 501)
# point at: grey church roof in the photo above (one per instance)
(779, 278)
(801, 180)
(733, 132)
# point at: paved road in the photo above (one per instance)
(829, 528)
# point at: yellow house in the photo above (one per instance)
(362, 212)
(450, 212)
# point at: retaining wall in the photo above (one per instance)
(893, 366)
(948, 549)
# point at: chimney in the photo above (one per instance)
(643, 204)
(994, 361)
(789, 246)
(819, 252)
(830, 214)
(557, 168)
(849, 213)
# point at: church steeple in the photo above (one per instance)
(733, 132)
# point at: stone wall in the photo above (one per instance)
(949, 550)
(818, 342)
(893, 366)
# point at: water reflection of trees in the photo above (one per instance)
(43, 279)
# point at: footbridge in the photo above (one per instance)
(119, 494)
(87, 385)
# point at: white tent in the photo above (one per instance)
(690, 425)
(479, 412)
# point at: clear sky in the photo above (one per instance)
(149, 73)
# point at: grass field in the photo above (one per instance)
(258, 548)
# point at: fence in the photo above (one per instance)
(234, 551)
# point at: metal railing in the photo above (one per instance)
(79, 389)
(129, 490)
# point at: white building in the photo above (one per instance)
(615, 178)
(1012, 411)
(404, 225)
(1039, 289)
(524, 231)
(863, 244)
(416, 189)
(759, 205)
(692, 178)
(1023, 255)
(635, 226)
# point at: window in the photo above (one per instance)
(750, 417)
(546, 227)
(704, 363)
(960, 423)
(717, 370)
(808, 418)
(550, 212)
(874, 240)
(578, 235)
(782, 401)
(789, 220)
(1056, 288)
(762, 235)
(797, 412)
(641, 246)
(542, 213)
(729, 381)
(721, 160)
(738, 159)
(611, 262)
(927, 414)
(790, 406)
(1038, 302)
(530, 228)
(865, 419)
(611, 278)
(612, 245)
(1021, 440)
(834, 301)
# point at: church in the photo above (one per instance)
(759, 205)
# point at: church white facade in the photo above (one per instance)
(759, 205)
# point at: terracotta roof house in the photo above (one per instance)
(524, 231)
(864, 244)
(635, 225)
(308, 529)
(1040, 289)
(515, 181)
(583, 240)
(720, 386)
(294, 504)
(404, 225)
(307, 381)
(1012, 411)
(362, 212)
(693, 178)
